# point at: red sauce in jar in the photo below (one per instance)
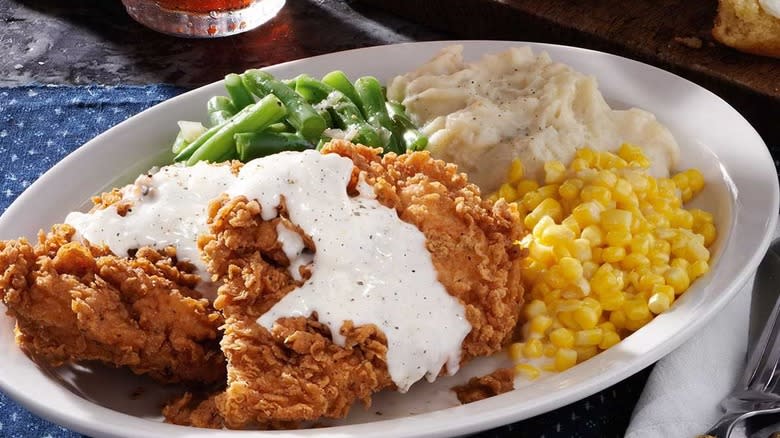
(203, 6)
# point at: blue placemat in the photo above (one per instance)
(39, 125)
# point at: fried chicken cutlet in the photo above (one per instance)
(295, 371)
(74, 302)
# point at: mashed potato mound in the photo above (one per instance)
(515, 104)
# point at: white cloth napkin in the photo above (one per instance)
(683, 393)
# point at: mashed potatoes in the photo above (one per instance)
(515, 104)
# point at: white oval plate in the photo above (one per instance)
(742, 192)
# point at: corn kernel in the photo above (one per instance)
(634, 325)
(586, 352)
(593, 304)
(586, 317)
(571, 223)
(618, 237)
(547, 207)
(593, 234)
(526, 186)
(580, 249)
(565, 358)
(579, 164)
(678, 279)
(618, 318)
(608, 340)
(709, 232)
(531, 200)
(587, 154)
(540, 324)
(695, 180)
(528, 371)
(567, 319)
(554, 172)
(696, 251)
(606, 178)
(588, 337)
(516, 172)
(507, 192)
(616, 219)
(633, 260)
(599, 194)
(636, 310)
(607, 327)
(571, 269)
(663, 289)
(587, 213)
(701, 216)
(562, 338)
(681, 180)
(554, 278)
(540, 226)
(548, 190)
(681, 219)
(556, 235)
(542, 253)
(649, 280)
(535, 308)
(697, 269)
(613, 254)
(550, 350)
(641, 243)
(588, 269)
(622, 190)
(612, 300)
(533, 349)
(658, 303)
(570, 188)
(679, 262)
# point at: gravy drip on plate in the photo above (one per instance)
(169, 209)
(369, 267)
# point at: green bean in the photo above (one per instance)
(370, 91)
(260, 144)
(229, 155)
(326, 115)
(300, 114)
(255, 117)
(220, 109)
(412, 138)
(237, 91)
(278, 127)
(190, 149)
(344, 112)
(179, 143)
(338, 80)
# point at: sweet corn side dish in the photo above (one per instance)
(610, 248)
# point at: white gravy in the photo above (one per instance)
(169, 209)
(369, 266)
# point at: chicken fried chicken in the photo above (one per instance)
(296, 372)
(74, 302)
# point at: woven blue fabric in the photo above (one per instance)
(39, 125)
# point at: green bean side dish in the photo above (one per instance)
(262, 115)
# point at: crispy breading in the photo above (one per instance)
(75, 302)
(479, 388)
(295, 372)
